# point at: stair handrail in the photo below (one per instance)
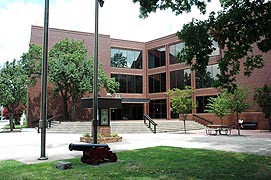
(202, 118)
(51, 119)
(146, 118)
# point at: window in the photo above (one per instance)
(157, 57)
(181, 78)
(122, 58)
(129, 83)
(216, 51)
(174, 50)
(158, 108)
(202, 101)
(157, 83)
(208, 79)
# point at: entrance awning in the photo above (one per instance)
(135, 100)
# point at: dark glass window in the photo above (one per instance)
(174, 50)
(180, 78)
(202, 101)
(157, 83)
(129, 83)
(158, 108)
(208, 79)
(156, 57)
(123, 58)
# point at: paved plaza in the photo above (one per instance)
(25, 146)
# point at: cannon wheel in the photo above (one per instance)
(95, 161)
(113, 157)
(84, 159)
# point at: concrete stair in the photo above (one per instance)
(177, 126)
(125, 127)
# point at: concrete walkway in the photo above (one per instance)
(25, 146)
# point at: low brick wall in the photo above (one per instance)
(230, 120)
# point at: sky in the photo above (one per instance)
(117, 18)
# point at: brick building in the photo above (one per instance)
(149, 70)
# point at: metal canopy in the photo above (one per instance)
(104, 103)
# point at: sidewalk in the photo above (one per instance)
(25, 146)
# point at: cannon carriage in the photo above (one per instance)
(94, 153)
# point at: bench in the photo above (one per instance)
(221, 129)
(249, 125)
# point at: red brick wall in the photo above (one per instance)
(230, 119)
(258, 78)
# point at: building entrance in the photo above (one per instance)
(128, 112)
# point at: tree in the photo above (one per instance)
(236, 29)
(218, 106)
(13, 87)
(119, 61)
(237, 102)
(71, 71)
(181, 101)
(32, 60)
(263, 97)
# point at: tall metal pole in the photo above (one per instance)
(95, 76)
(43, 104)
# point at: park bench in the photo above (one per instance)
(249, 125)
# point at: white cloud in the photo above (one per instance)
(15, 29)
(118, 18)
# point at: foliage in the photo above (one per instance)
(13, 87)
(218, 105)
(181, 101)
(172, 163)
(263, 97)
(114, 134)
(86, 135)
(236, 28)
(71, 71)
(118, 60)
(31, 61)
(177, 6)
(237, 102)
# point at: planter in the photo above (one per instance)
(103, 140)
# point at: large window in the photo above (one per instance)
(180, 78)
(157, 57)
(157, 83)
(129, 83)
(158, 108)
(174, 50)
(123, 58)
(202, 101)
(207, 79)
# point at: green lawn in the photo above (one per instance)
(151, 164)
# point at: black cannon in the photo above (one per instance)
(94, 153)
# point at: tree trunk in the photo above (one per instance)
(11, 124)
(237, 119)
(66, 111)
(184, 119)
(73, 109)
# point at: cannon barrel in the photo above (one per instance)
(86, 147)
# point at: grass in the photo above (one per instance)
(166, 163)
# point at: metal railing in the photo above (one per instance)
(203, 119)
(150, 124)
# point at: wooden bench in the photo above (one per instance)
(249, 125)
